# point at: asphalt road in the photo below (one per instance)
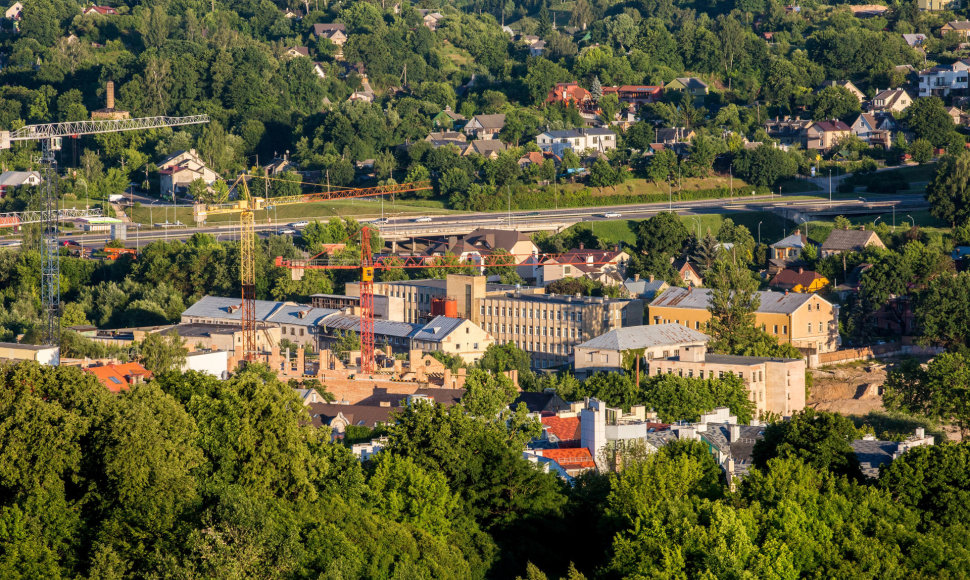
(449, 223)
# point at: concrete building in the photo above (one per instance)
(16, 352)
(873, 453)
(180, 169)
(577, 140)
(938, 4)
(385, 307)
(941, 80)
(806, 321)
(604, 353)
(547, 326)
(225, 336)
(775, 385)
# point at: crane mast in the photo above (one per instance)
(50, 136)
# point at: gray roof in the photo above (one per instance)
(437, 329)
(777, 302)
(874, 453)
(381, 327)
(796, 240)
(563, 299)
(848, 239)
(574, 133)
(635, 337)
(225, 308)
(643, 286)
(489, 121)
(16, 178)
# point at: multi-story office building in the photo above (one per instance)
(546, 325)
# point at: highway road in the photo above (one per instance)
(526, 220)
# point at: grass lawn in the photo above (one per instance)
(639, 186)
(357, 209)
(820, 229)
(624, 231)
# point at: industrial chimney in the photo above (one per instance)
(111, 95)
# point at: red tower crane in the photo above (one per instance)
(368, 265)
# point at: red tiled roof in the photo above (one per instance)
(566, 429)
(577, 458)
(120, 377)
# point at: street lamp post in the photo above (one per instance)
(911, 221)
(759, 233)
(830, 187)
(670, 196)
(805, 223)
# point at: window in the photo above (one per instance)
(483, 309)
(301, 332)
(697, 325)
(700, 373)
(776, 329)
(784, 329)
(468, 330)
(809, 327)
(690, 373)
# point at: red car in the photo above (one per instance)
(71, 243)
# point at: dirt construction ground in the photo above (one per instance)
(850, 389)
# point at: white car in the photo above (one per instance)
(612, 214)
(381, 221)
(288, 231)
(423, 220)
(299, 224)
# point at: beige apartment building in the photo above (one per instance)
(806, 321)
(775, 385)
(546, 325)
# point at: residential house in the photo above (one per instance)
(561, 430)
(688, 273)
(938, 4)
(339, 417)
(671, 135)
(914, 40)
(798, 280)
(309, 396)
(289, 13)
(180, 169)
(481, 242)
(876, 130)
(873, 453)
(787, 130)
(14, 12)
(605, 266)
(636, 94)
(447, 119)
(544, 403)
(890, 101)
(955, 114)
(297, 51)
(335, 32)
(12, 179)
(691, 85)
(605, 353)
(847, 85)
(942, 80)
(320, 70)
(532, 158)
(960, 27)
(825, 135)
(645, 288)
(431, 18)
(446, 138)
(850, 241)
(566, 462)
(99, 11)
(537, 49)
(789, 248)
(577, 140)
(775, 385)
(570, 94)
(365, 93)
(806, 321)
(484, 126)
(119, 377)
(490, 148)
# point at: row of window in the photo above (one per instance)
(534, 330)
(756, 376)
(530, 313)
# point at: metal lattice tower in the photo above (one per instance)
(50, 284)
(247, 270)
(367, 364)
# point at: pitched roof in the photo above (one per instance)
(830, 126)
(225, 308)
(571, 458)
(646, 336)
(438, 329)
(699, 298)
(485, 146)
(691, 82)
(321, 28)
(544, 402)
(17, 178)
(565, 430)
(796, 240)
(119, 377)
(959, 24)
(643, 286)
(848, 240)
(791, 277)
(489, 121)
(362, 415)
(346, 322)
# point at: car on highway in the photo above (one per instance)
(612, 214)
(288, 231)
(422, 220)
(382, 221)
(70, 243)
(301, 224)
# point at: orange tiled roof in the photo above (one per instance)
(566, 429)
(578, 458)
(117, 378)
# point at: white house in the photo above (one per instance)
(180, 169)
(891, 101)
(941, 80)
(14, 12)
(578, 140)
(211, 362)
(9, 179)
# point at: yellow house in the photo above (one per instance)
(806, 321)
(799, 280)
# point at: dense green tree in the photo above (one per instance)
(929, 120)
(820, 439)
(835, 102)
(160, 353)
(949, 190)
(940, 391)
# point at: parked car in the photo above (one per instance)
(423, 220)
